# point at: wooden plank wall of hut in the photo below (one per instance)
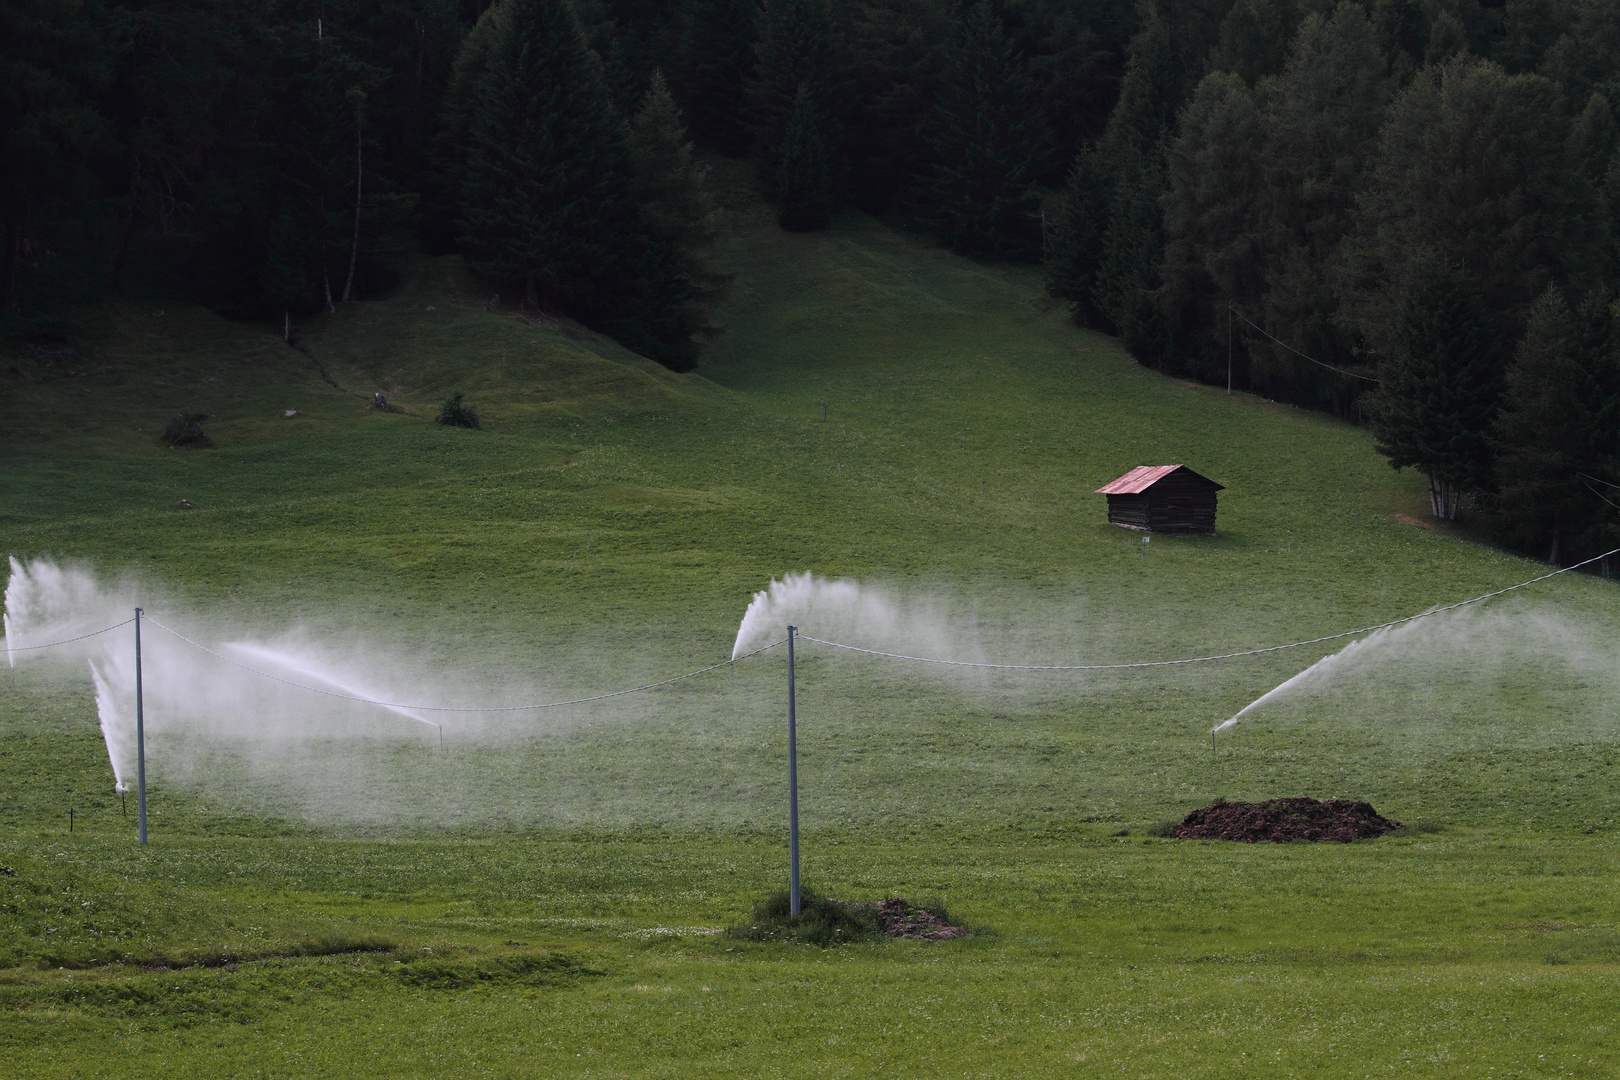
(1130, 511)
(1181, 504)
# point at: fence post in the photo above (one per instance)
(793, 788)
(140, 734)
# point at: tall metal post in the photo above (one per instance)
(140, 733)
(1228, 350)
(793, 788)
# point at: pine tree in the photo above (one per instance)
(1439, 391)
(797, 50)
(1211, 229)
(1585, 59)
(803, 179)
(1558, 437)
(1164, 66)
(1322, 116)
(1074, 253)
(1529, 27)
(1255, 37)
(898, 52)
(546, 197)
(669, 185)
(55, 60)
(1127, 279)
(677, 217)
(1472, 171)
(987, 144)
(719, 57)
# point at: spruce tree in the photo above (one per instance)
(797, 50)
(1127, 279)
(677, 218)
(1322, 116)
(1558, 437)
(545, 202)
(1472, 171)
(669, 185)
(1439, 391)
(55, 60)
(1255, 37)
(1585, 58)
(987, 144)
(719, 57)
(1075, 230)
(898, 52)
(1165, 64)
(803, 178)
(1211, 227)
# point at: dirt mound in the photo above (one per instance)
(899, 919)
(1284, 821)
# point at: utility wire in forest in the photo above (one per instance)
(1296, 352)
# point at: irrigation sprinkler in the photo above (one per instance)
(140, 735)
(793, 788)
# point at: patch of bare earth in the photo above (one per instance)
(900, 920)
(1286, 821)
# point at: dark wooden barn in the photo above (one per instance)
(1162, 499)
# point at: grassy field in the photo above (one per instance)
(541, 897)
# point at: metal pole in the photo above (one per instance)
(793, 789)
(1228, 350)
(140, 734)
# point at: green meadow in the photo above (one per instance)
(545, 895)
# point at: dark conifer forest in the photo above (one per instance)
(1402, 212)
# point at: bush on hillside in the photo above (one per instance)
(458, 414)
(185, 429)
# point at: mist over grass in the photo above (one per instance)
(1518, 684)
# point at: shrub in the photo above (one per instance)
(457, 414)
(185, 429)
(822, 920)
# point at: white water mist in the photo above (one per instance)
(198, 705)
(852, 613)
(1319, 671)
(1479, 654)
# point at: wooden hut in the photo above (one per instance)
(1162, 499)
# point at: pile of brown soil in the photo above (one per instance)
(899, 919)
(1284, 821)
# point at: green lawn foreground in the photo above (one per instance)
(545, 903)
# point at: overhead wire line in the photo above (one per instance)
(461, 709)
(66, 641)
(1296, 352)
(1207, 659)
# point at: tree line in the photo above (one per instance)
(277, 158)
(1406, 212)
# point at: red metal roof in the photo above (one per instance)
(1143, 477)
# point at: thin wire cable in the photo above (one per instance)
(1600, 495)
(459, 709)
(1295, 351)
(67, 641)
(1595, 480)
(1206, 659)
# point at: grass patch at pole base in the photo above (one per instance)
(826, 922)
